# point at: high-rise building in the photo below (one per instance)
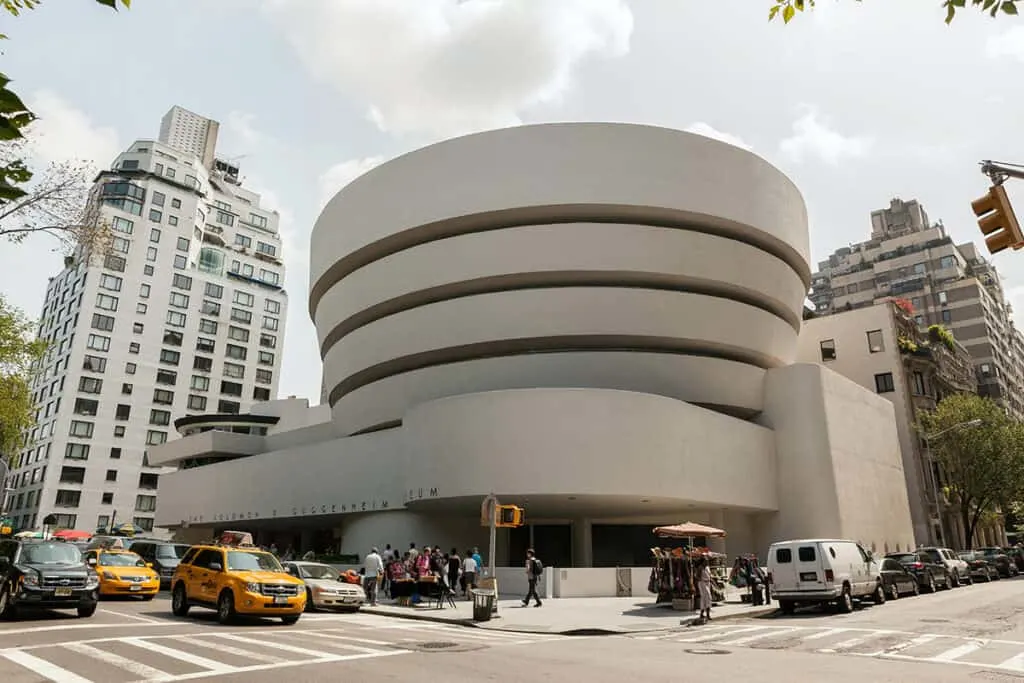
(947, 284)
(183, 314)
(189, 132)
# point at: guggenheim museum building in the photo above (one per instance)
(597, 322)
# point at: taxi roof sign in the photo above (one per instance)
(236, 539)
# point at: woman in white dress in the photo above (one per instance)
(704, 585)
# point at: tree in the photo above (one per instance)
(15, 116)
(787, 9)
(983, 463)
(19, 354)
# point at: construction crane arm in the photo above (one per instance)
(999, 172)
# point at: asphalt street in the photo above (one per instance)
(969, 633)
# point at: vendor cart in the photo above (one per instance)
(672, 572)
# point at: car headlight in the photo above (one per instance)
(93, 580)
(252, 587)
(31, 578)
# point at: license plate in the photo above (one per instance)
(62, 592)
(280, 600)
(808, 576)
(135, 588)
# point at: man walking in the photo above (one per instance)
(469, 570)
(373, 568)
(534, 570)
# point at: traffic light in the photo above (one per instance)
(996, 219)
(510, 516)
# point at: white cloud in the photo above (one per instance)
(705, 129)
(445, 67)
(814, 138)
(341, 174)
(1009, 43)
(242, 127)
(61, 133)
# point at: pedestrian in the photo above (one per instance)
(534, 570)
(454, 567)
(704, 586)
(373, 568)
(479, 560)
(273, 549)
(413, 552)
(469, 572)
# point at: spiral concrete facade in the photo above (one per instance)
(618, 241)
(596, 321)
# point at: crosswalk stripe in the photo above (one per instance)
(341, 633)
(712, 636)
(757, 636)
(900, 647)
(144, 671)
(1015, 663)
(826, 633)
(212, 665)
(230, 650)
(853, 642)
(339, 640)
(957, 652)
(280, 646)
(42, 667)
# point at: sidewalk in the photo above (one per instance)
(575, 616)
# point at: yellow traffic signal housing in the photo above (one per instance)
(510, 516)
(996, 219)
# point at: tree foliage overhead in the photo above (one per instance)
(15, 116)
(19, 352)
(787, 9)
(982, 465)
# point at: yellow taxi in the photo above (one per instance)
(123, 572)
(236, 578)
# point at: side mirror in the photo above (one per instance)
(216, 566)
(149, 565)
(91, 561)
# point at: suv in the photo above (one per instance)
(45, 574)
(955, 566)
(236, 580)
(164, 557)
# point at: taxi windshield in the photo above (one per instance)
(120, 560)
(253, 561)
(318, 571)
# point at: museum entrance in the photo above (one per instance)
(552, 543)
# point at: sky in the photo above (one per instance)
(857, 102)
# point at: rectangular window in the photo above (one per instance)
(122, 412)
(111, 475)
(247, 270)
(181, 281)
(241, 316)
(947, 316)
(828, 349)
(154, 236)
(111, 262)
(243, 241)
(243, 298)
(210, 308)
(145, 523)
(206, 345)
(67, 498)
(126, 389)
(122, 225)
(234, 370)
(884, 383)
(172, 338)
(94, 364)
(155, 215)
(161, 418)
(111, 282)
(196, 402)
(145, 503)
(115, 453)
(102, 322)
(270, 277)
(179, 300)
(120, 244)
(268, 341)
(876, 343)
(260, 394)
(76, 451)
(947, 262)
(202, 364)
(81, 429)
(150, 256)
(172, 220)
(144, 291)
(268, 249)
(86, 406)
(129, 368)
(238, 333)
(271, 306)
(270, 323)
(200, 383)
(918, 383)
(214, 291)
(183, 243)
(264, 377)
(175, 319)
(155, 438)
(148, 480)
(225, 218)
(108, 498)
(133, 347)
(168, 377)
(141, 308)
(90, 385)
(236, 352)
(72, 475)
(231, 388)
(265, 358)
(137, 328)
(180, 262)
(119, 432)
(175, 203)
(163, 397)
(228, 407)
(169, 357)
(106, 302)
(157, 198)
(257, 220)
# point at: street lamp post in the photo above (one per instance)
(928, 438)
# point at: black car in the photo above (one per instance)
(1001, 560)
(929, 573)
(898, 580)
(45, 574)
(164, 556)
(981, 569)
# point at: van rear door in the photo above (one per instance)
(782, 568)
(810, 571)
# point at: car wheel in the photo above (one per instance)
(947, 581)
(956, 579)
(894, 592)
(87, 611)
(879, 594)
(787, 606)
(179, 601)
(916, 590)
(310, 607)
(931, 583)
(7, 608)
(969, 580)
(226, 607)
(846, 601)
(289, 620)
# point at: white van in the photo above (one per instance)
(823, 570)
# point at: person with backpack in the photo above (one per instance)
(534, 570)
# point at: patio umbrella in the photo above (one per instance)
(688, 530)
(29, 534)
(126, 529)
(72, 535)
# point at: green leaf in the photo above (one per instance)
(950, 12)
(1009, 7)
(773, 11)
(787, 14)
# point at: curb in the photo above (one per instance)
(754, 613)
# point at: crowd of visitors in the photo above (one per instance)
(457, 573)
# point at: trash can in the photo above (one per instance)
(483, 605)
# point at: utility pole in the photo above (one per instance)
(490, 510)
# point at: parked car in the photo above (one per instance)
(1017, 555)
(956, 567)
(45, 574)
(929, 573)
(1001, 560)
(325, 587)
(898, 580)
(162, 555)
(817, 571)
(981, 568)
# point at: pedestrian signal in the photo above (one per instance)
(510, 516)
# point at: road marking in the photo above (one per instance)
(42, 667)
(757, 636)
(712, 636)
(213, 665)
(339, 641)
(137, 668)
(853, 642)
(280, 646)
(145, 620)
(1015, 663)
(957, 652)
(367, 641)
(77, 626)
(329, 659)
(231, 650)
(900, 647)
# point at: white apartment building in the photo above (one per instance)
(189, 132)
(184, 315)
